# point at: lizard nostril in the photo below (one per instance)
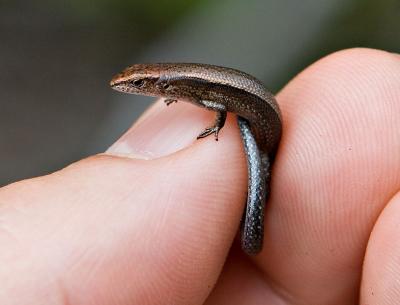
(115, 81)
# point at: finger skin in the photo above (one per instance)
(380, 280)
(337, 167)
(114, 230)
(241, 282)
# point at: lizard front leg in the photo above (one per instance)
(220, 119)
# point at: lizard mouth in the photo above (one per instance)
(119, 84)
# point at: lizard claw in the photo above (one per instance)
(208, 131)
(169, 101)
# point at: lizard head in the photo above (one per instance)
(142, 79)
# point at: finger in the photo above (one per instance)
(336, 169)
(380, 280)
(115, 230)
(162, 130)
(241, 282)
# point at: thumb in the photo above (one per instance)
(113, 229)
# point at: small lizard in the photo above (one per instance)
(222, 90)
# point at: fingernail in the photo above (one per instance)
(162, 130)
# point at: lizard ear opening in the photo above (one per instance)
(163, 83)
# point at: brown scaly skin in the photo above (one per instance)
(222, 90)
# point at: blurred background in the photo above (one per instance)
(57, 57)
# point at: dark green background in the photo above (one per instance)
(56, 58)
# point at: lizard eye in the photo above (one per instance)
(165, 86)
(138, 83)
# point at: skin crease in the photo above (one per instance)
(117, 229)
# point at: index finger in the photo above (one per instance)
(336, 169)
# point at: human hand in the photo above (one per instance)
(117, 229)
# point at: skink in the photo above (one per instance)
(222, 90)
